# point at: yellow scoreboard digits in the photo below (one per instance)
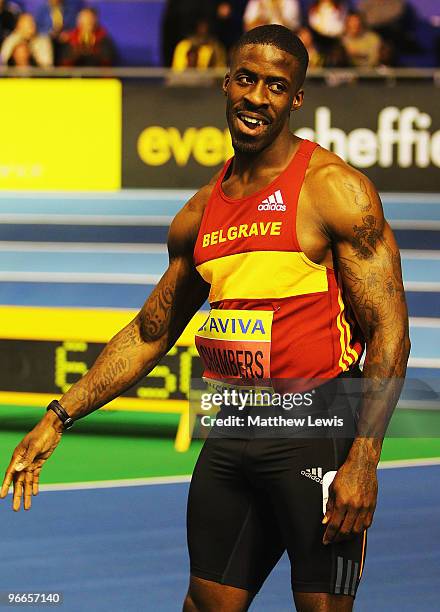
(64, 367)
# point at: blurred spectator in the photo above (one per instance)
(263, 12)
(316, 60)
(9, 12)
(327, 23)
(363, 46)
(227, 20)
(179, 20)
(22, 56)
(88, 44)
(393, 20)
(327, 18)
(26, 31)
(57, 15)
(54, 18)
(201, 50)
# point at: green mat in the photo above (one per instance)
(119, 445)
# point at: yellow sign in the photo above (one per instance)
(60, 134)
(209, 146)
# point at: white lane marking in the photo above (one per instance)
(132, 247)
(422, 286)
(80, 277)
(55, 219)
(389, 197)
(415, 224)
(402, 463)
(142, 482)
(82, 247)
(109, 277)
(422, 362)
(110, 484)
(411, 198)
(123, 194)
(419, 254)
(424, 322)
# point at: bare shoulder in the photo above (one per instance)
(341, 194)
(185, 225)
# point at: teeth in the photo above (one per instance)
(252, 120)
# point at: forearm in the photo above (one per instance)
(125, 360)
(382, 380)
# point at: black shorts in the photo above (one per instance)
(252, 499)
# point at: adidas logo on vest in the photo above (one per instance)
(313, 474)
(273, 202)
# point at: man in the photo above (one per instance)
(308, 214)
(88, 44)
(363, 46)
(26, 31)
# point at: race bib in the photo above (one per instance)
(236, 344)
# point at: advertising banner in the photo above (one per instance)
(60, 134)
(176, 137)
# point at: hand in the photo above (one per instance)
(352, 501)
(28, 459)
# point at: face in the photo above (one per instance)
(261, 92)
(26, 25)
(22, 55)
(353, 25)
(86, 21)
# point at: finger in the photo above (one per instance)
(6, 483)
(18, 491)
(334, 524)
(28, 480)
(36, 481)
(16, 462)
(361, 522)
(328, 510)
(346, 527)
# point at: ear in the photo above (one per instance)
(226, 81)
(297, 101)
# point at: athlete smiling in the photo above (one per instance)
(289, 236)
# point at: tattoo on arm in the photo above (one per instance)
(112, 367)
(155, 319)
(366, 237)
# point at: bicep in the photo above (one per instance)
(370, 269)
(367, 256)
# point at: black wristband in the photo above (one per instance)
(66, 420)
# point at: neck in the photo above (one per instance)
(274, 157)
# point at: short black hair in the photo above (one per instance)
(280, 37)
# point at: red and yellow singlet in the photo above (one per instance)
(274, 313)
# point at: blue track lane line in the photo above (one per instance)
(130, 263)
(125, 548)
(167, 202)
(414, 270)
(110, 295)
(84, 233)
(144, 234)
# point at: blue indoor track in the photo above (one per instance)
(124, 548)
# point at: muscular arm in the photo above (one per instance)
(137, 348)
(129, 356)
(367, 258)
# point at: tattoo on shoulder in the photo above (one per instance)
(361, 199)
